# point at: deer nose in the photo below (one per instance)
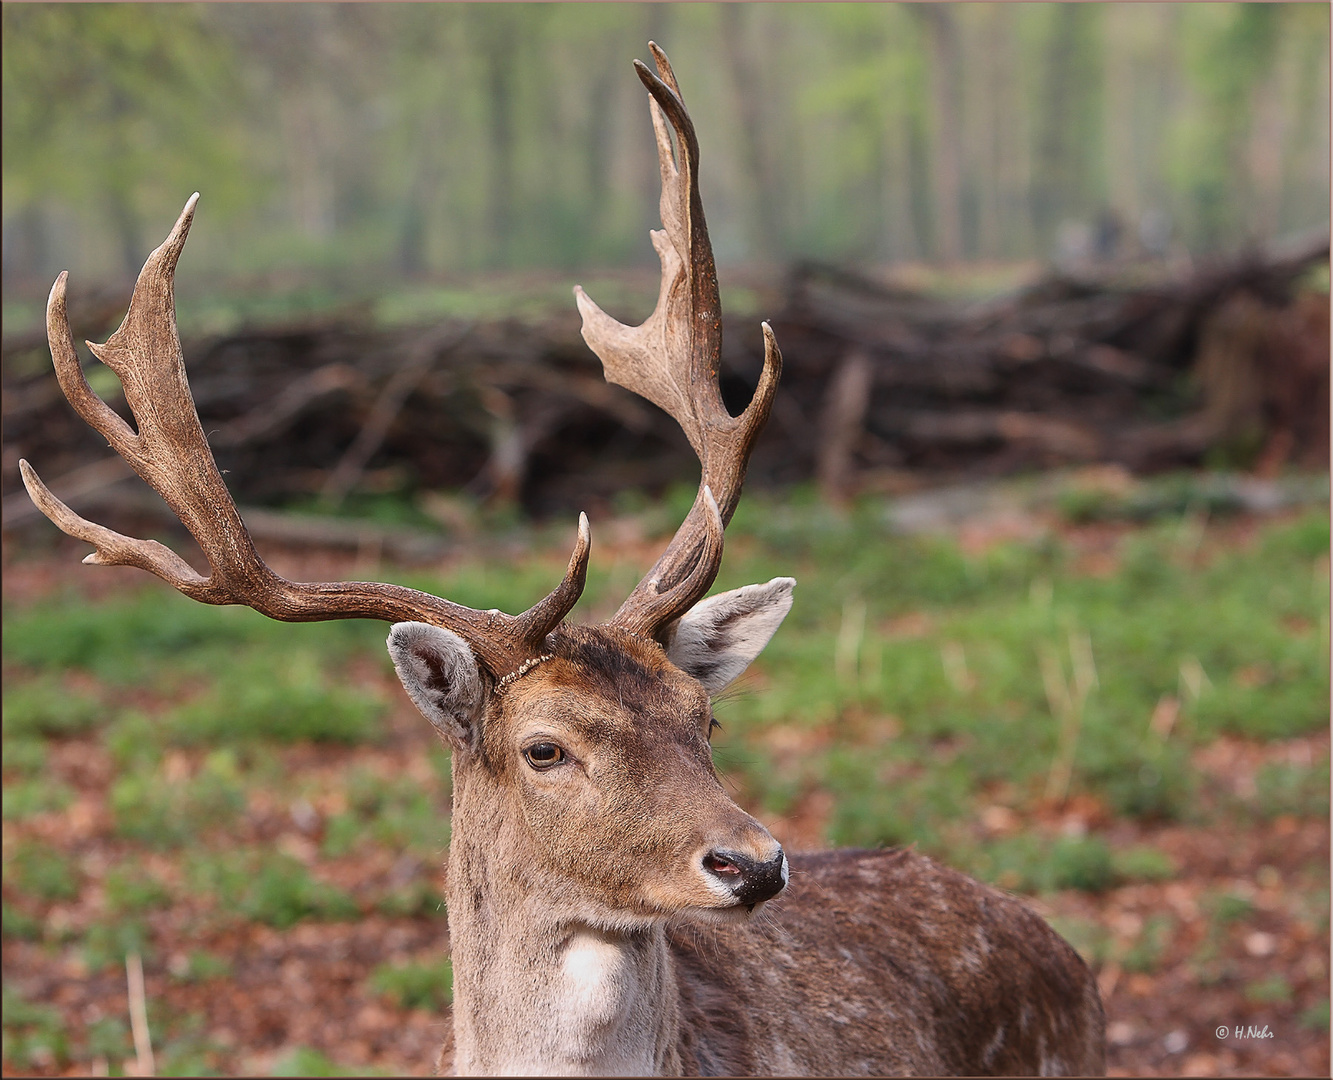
(750, 881)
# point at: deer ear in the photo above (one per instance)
(440, 675)
(717, 638)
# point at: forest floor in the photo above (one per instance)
(285, 892)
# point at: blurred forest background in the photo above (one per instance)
(993, 241)
(390, 141)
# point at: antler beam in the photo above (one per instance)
(673, 360)
(170, 452)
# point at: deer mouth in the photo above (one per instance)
(735, 915)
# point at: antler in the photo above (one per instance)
(172, 454)
(672, 359)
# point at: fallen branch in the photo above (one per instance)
(143, 1044)
(393, 397)
(1151, 375)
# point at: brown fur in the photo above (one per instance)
(882, 962)
(586, 937)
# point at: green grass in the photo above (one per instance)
(106, 944)
(1143, 864)
(1315, 1017)
(137, 638)
(187, 1049)
(914, 682)
(1032, 864)
(1224, 908)
(200, 966)
(1292, 789)
(23, 757)
(161, 813)
(415, 986)
(1151, 627)
(34, 1034)
(18, 925)
(286, 696)
(305, 1061)
(42, 708)
(411, 900)
(109, 1039)
(1271, 990)
(267, 887)
(131, 891)
(38, 872)
(396, 813)
(28, 798)
(1168, 496)
(1146, 952)
(964, 657)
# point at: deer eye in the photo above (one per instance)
(543, 755)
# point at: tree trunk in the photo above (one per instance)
(945, 79)
(748, 91)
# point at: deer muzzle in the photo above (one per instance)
(751, 881)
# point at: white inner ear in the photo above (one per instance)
(440, 675)
(717, 638)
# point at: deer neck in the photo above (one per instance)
(537, 990)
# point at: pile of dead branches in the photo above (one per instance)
(1231, 361)
(879, 384)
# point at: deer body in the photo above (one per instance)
(607, 899)
(877, 963)
(575, 951)
(885, 963)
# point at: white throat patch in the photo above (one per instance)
(591, 968)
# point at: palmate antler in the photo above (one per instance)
(672, 359)
(172, 454)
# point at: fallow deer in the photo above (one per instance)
(603, 890)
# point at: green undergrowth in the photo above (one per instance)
(288, 696)
(24, 799)
(266, 887)
(34, 1033)
(306, 1061)
(919, 675)
(159, 812)
(155, 634)
(395, 813)
(415, 986)
(927, 690)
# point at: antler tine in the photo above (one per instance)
(545, 615)
(673, 359)
(170, 452)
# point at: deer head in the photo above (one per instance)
(581, 754)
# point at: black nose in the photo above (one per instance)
(750, 882)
